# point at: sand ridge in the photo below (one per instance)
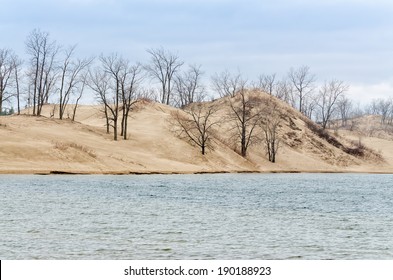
(44, 145)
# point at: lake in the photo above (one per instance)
(206, 216)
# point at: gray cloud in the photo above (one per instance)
(350, 40)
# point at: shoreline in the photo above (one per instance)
(45, 146)
(123, 173)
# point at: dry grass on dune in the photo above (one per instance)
(43, 144)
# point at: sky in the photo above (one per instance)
(349, 40)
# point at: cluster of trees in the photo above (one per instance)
(50, 71)
(116, 83)
(298, 88)
(54, 73)
(9, 69)
(382, 107)
(251, 119)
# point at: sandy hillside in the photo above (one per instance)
(369, 131)
(48, 145)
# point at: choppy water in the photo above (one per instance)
(222, 216)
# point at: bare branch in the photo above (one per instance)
(227, 84)
(327, 100)
(70, 77)
(244, 113)
(188, 87)
(303, 82)
(196, 124)
(43, 76)
(162, 68)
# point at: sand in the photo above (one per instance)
(45, 145)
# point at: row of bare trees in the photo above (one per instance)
(10, 66)
(382, 107)
(42, 74)
(250, 118)
(116, 85)
(176, 87)
(54, 73)
(53, 70)
(298, 89)
(196, 124)
(50, 70)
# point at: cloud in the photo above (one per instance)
(349, 40)
(365, 93)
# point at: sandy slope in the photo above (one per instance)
(43, 145)
(381, 145)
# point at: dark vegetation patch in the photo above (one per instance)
(356, 149)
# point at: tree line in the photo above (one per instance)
(54, 72)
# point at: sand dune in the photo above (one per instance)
(42, 145)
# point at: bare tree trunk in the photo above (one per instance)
(107, 120)
(243, 141)
(130, 80)
(35, 84)
(269, 123)
(70, 78)
(244, 114)
(123, 120)
(115, 129)
(84, 82)
(17, 90)
(125, 128)
(76, 104)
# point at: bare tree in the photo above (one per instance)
(7, 68)
(303, 83)
(372, 109)
(344, 105)
(115, 66)
(245, 112)
(227, 84)
(310, 106)
(383, 107)
(266, 83)
(358, 110)
(116, 84)
(42, 53)
(70, 77)
(17, 62)
(196, 124)
(130, 81)
(327, 100)
(146, 94)
(390, 113)
(162, 68)
(270, 122)
(284, 91)
(188, 86)
(99, 82)
(80, 89)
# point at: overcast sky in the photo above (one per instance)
(350, 40)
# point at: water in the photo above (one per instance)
(221, 216)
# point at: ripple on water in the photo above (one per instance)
(222, 216)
